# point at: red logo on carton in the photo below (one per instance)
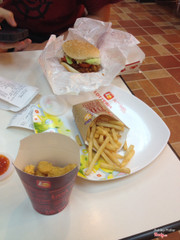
(43, 184)
(108, 95)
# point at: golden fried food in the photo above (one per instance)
(30, 169)
(69, 167)
(56, 171)
(46, 169)
(40, 174)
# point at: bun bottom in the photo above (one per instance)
(69, 68)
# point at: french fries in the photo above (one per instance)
(103, 154)
(114, 167)
(78, 140)
(90, 146)
(128, 155)
(110, 125)
(103, 137)
(96, 156)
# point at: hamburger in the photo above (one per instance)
(80, 56)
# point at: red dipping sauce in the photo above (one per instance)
(4, 164)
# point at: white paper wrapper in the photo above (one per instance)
(114, 46)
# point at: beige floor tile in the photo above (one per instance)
(149, 60)
(160, 39)
(161, 24)
(114, 22)
(149, 89)
(124, 16)
(161, 50)
(133, 85)
(126, 10)
(160, 73)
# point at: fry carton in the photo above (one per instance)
(85, 113)
(48, 195)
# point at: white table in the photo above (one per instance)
(109, 210)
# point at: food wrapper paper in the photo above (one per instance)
(48, 195)
(84, 114)
(118, 51)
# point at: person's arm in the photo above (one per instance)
(18, 46)
(102, 14)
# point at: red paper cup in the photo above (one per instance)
(48, 195)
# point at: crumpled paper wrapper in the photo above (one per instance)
(114, 46)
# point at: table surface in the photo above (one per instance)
(108, 210)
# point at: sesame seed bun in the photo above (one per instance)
(80, 50)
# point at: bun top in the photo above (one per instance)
(80, 50)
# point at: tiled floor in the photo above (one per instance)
(157, 27)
